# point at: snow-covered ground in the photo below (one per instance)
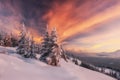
(14, 67)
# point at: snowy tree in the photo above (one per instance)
(22, 43)
(63, 53)
(14, 40)
(37, 49)
(30, 49)
(1, 39)
(53, 37)
(7, 40)
(45, 47)
(57, 51)
(26, 44)
(51, 51)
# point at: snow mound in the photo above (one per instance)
(14, 67)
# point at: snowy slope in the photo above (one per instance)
(14, 67)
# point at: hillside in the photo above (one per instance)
(14, 67)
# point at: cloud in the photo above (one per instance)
(105, 40)
(71, 18)
(78, 22)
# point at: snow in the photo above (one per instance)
(15, 67)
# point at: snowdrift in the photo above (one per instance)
(14, 67)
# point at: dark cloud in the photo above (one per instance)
(31, 12)
(28, 11)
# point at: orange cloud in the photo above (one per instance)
(71, 20)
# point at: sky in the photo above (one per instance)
(82, 25)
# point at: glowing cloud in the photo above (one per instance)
(81, 24)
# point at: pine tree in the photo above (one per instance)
(22, 43)
(30, 49)
(63, 53)
(28, 43)
(53, 36)
(7, 40)
(45, 47)
(14, 40)
(37, 48)
(55, 54)
(1, 39)
(51, 51)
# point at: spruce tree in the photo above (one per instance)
(14, 40)
(22, 42)
(30, 49)
(45, 47)
(1, 39)
(54, 56)
(51, 51)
